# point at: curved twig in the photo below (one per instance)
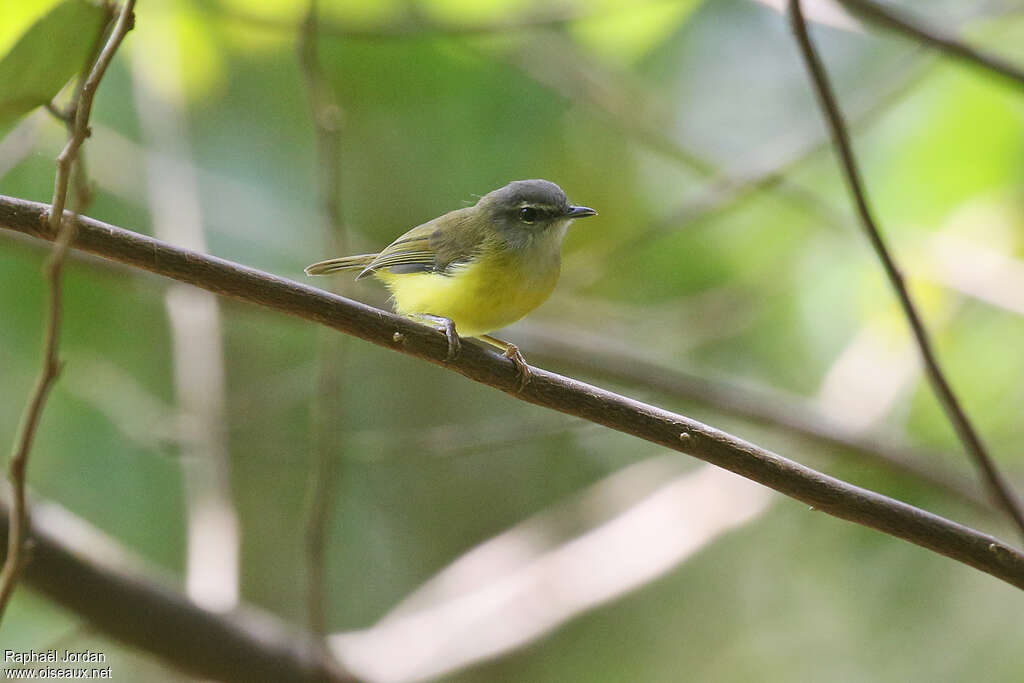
(933, 36)
(64, 232)
(1001, 490)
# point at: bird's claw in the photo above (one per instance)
(442, 324)
(512, 353)
(454, 345)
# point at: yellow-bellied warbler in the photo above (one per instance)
(475, 269)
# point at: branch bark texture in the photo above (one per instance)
(546, 389)
(770, 408)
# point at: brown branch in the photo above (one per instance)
(933, 36)
(83, 111)
(69, 115)
(326, 115)
(546, 389)
(65, 235)
(999, 487)
(247, 645)
(769, 408)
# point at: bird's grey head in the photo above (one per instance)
(525, 209)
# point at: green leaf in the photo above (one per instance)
(49, 54)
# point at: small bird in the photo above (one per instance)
(475, 269)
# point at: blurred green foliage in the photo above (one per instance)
(52, 50)
(772, 287)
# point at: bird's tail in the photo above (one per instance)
(341, 263)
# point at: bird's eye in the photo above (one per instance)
(528, 214)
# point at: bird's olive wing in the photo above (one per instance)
(433, 247)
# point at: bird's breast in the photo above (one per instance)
(495, 289)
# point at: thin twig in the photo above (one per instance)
(67, 117)
(326, 115)
(65, 234)
(80, 186)
(545, 389)
(933, 36)
(999, 487)
(83, 111)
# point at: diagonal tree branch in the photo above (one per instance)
(770, 408)
(64, 232)
(546, 389)
(247, 645)
(933, 36)
(1001, 490)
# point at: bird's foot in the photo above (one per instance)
(442, 324)
(454, 344)
(512, 353)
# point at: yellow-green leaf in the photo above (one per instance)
(49, 54)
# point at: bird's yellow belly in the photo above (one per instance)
(483, 296)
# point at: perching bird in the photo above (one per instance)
(476, 269)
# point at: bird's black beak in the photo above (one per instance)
(580, 212)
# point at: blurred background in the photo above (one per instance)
(438, 528)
